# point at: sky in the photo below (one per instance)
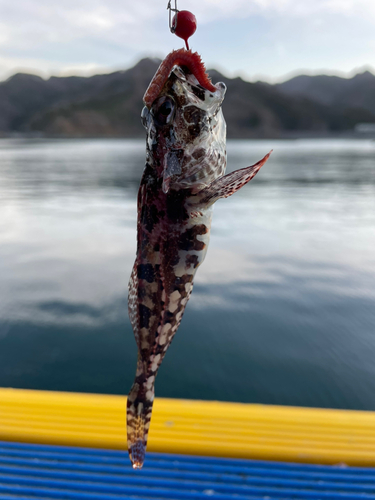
(269, 40)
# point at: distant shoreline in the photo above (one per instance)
(348, 134)
(110, 105)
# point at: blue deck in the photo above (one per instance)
(54, 472)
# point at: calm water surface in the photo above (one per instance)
(283, 308)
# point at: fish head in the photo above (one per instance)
(186, 131)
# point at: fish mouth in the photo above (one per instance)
(180, 57)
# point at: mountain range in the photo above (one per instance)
(110, 105)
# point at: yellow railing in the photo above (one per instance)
(192, 427)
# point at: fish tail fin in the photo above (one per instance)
(138, 417)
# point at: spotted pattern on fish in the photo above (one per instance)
(183, 177)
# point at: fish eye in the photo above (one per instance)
(163, 110)
(166, 108)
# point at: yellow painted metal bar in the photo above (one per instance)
(192, 427)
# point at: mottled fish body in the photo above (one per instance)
(183, 177)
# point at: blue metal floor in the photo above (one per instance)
(50, 472)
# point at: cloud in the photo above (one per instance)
(219, 9)
(29, 22)
(273, 36)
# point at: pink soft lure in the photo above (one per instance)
(181, 57)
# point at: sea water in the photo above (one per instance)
(283, 308)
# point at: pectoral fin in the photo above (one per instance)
(228, 184)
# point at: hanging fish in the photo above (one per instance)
(183, 177)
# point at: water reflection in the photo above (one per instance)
(283, 309)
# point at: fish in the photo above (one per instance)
(182, 179)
